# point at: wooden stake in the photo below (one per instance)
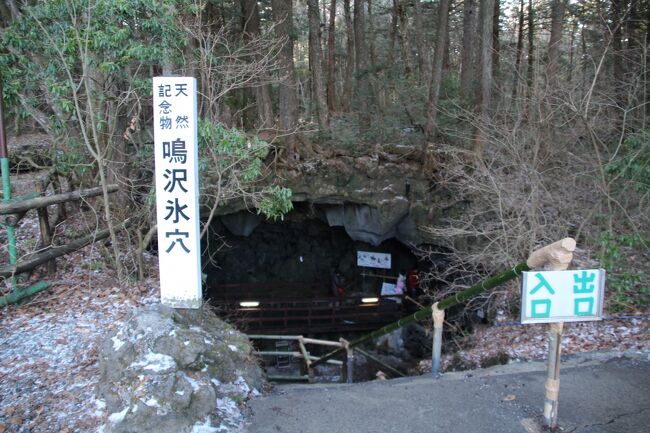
(349, 360)
(436, 349)
(46, 230)
(556, 257)
(552, 384)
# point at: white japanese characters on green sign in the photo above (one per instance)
(562, 296)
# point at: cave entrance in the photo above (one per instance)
(301, 275)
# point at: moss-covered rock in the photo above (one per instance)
(168, 370)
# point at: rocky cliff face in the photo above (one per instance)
(374, 198)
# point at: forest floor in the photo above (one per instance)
(49, 345)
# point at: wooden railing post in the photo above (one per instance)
(305, 354)
(436, 348)
(349, 360)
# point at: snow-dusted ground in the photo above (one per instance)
(49, 366)
(515, 342)
(48, 347)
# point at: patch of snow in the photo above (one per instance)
(118, 416)
(100, 406)
(186, 343)
(238, 387)
(117, 343)
(152, 402)
(155, 362)
(206, 427)
(195, 385)
(181, 393)
(233, 348)
(229, 411)
(172, 333)
(216, 382)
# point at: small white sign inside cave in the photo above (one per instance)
(369, 259)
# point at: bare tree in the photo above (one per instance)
(557, 20)
(363, 86)
(520, 50)
(287, 97)
(496, 21)
(331, 59)
(485, 66)
(530, 70)
(250, 12)
(402, 35)
(349, 58)
(431, 127)
(316, 64)
(423, 53)
(467, 63)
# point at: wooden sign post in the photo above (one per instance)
(557, 296)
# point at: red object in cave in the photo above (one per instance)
(412, 282)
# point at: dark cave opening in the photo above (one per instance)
(302, 251)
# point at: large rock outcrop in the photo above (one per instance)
(386, 194)
(176, 371)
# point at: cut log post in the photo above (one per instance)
(556, 256)
(15, 207)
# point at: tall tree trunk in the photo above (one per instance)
(431, 126)
(363, 86)
(350, 59)
(392, 35)
(287, 98)
(316, 64)
(485, 67)
(402, 36)
(557, 20)
(467, 63)
(331, 59)
(496, 19)
(530, 71)
(617, 43)
(572, 40)
(371, 34)
(423, 53)
(520, 50)
(263, 90)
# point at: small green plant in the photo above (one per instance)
(236, 160)
(30, 244)
(96, 265)
(632, 162)
(628, 285)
